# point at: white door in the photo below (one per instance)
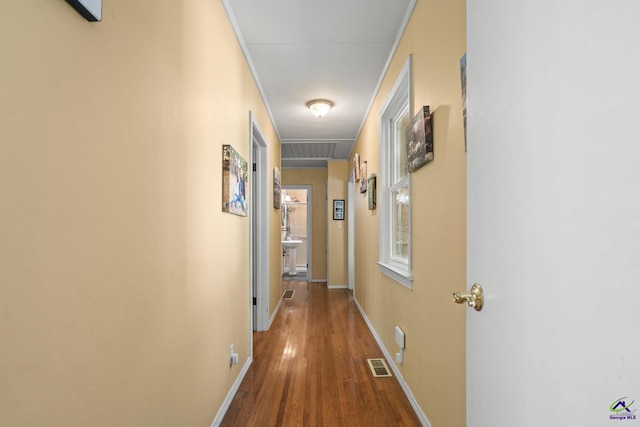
(259, 209)
(554, 213)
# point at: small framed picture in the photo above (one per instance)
(235, 183)
(356, 167)
(276, 188)
(371, 190)
(338, 209)
(363, 177)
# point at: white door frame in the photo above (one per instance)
(259, 211)
(351, 232)
(309, 222)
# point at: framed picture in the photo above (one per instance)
(463, 83)
(371, 191)
(363, 177)
(234, 182)
(91, 10)
(356, 167)
(338, 209)
(419, 140)
(276, 188)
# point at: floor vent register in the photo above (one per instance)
(379, 368)
(288, 294)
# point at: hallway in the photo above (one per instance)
(310, 369)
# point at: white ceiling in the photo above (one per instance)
(299, 50)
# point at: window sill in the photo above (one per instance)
(403, 277)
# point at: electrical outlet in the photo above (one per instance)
(234, 356)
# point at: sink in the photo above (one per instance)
(291, 246)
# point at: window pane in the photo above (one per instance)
(399, 161)
(400, 223)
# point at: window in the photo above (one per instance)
(395, 182)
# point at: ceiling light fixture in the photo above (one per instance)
(319, 107)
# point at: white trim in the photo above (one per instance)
(275, 312)
(337, 286)
(351, 231)
(317, 281)
(391, 362)
(309, 223)
(232, 392)
(397, 275)
(245, 51)
(260, 214)
(403, 27)
(399, 98)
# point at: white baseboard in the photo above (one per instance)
(275, 311)
(227, 401)
(337, 287)
(391, 362)
(318, 281)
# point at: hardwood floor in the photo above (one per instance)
(310, 369)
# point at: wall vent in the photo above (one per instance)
(379, 368)
(306, 150)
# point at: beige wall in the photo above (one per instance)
(434, 365)
(337, 230)
(317, 179)
(122, 283)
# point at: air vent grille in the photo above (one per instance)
(288, 294)
(302, 150)
(379, 368)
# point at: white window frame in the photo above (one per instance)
(397, 102)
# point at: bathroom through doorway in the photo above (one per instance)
(295, 226)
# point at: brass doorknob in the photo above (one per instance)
(474, 298)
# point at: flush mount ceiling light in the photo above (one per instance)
(319, 107)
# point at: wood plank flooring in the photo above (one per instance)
(310, 369)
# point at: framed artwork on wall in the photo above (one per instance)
(234, 182)
(91, 10)
(276, 188)
(363, 177)
(371, 191)
(463, 83)
(338, 209)
(419, 140)
(356, 167)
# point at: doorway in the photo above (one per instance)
(351, 233)
(295, 233)
(259, 214)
